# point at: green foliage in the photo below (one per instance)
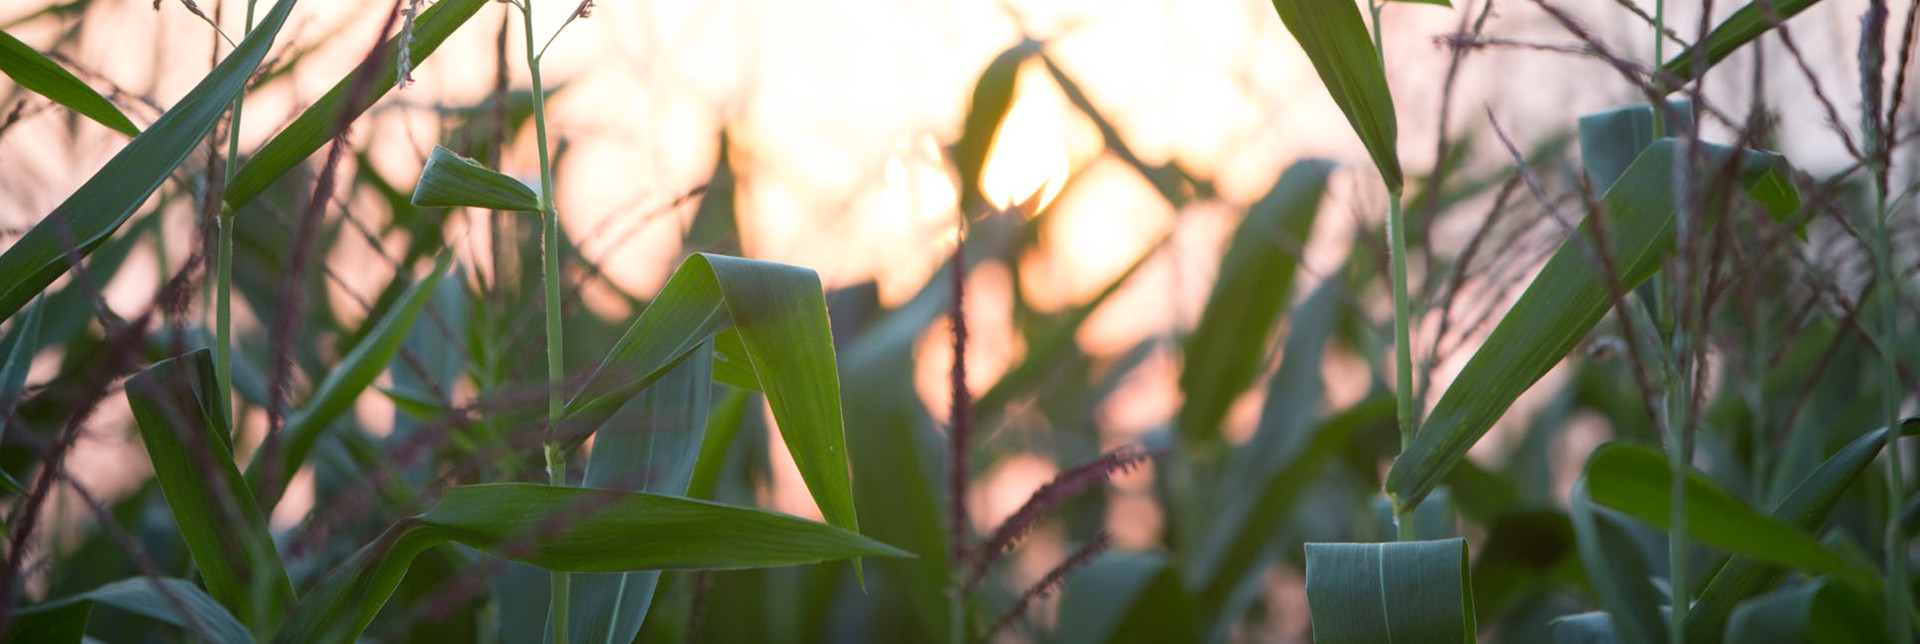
(450, 180)
(1335, 39)
(36, 73)
(1413, 591)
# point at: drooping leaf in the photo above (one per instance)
(1746, 24)
(17, 349)
(1337, 42)
(1127, 597)
(1569, 296)
(37, 74)
(1410, 591)
(92, 213)
(1618, 572)
(992, 97)
(1805, 508)
(322, 120)
(343, 384)
(1225, 352)
(155, 599)
(450, 180)
(781, 315)
(1813, 613)
(568, 529)
(650, 445)
(64, 625)
(184, 425)
(1634, 479)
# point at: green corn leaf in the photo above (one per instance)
(1619, 575)
(1337, 42)
(781, 315)
(1226, 350)
(730, 364)
(1805, 508)
(1634, 480)
(1819, 612)
(1594, 627)
(184, 425)
(568, 529)
(321, 121)
(18, 349)
(992, 97)
(1234, 547)
(1611, 140)
(1745, 25)
(650, 445)
(1565, 301)
(102, 204)
(451, 181)
(42, 76)
(1127, 597)
(154, 599)
(64, 625)
(343, 384)
(1407, 591)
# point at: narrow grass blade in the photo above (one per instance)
(572, 530)
(42, 76)
(1569, 296)
(1746, 24)
(1633, 479)
(343, 384)
(318, 124)
(650, 445)
(153, 599)
(1233, 549)
(1336, 41)
(185, 429)
(1127, 597)
(1226, 350)
(780, 312)
(1406, 591)
(1618, 573)
(1805, 508)
(1817, 612)
(450, 181)
(105, 201)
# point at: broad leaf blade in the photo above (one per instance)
(1611, 140)
(1818, 612)
(154, 599)
(1408, 591)
(105, 201)
(1225, 352)
(1619, 575)
(1336, 41)
(39, 75)
(780, 312)
(651, 445)
(1634, 480)
(185, 429)
(992, 97)
(321, 121)
(571, 530)
(1806, 508)
(1569, 296)
(450, 180)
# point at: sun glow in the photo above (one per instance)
(1029, 152)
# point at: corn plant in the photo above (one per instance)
(1729, 324)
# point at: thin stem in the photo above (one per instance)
(223, 266)
(1659, 58)
(550, 273)
(1402, 342)
(1677, 537)
(1899, 623)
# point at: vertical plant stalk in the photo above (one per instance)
(223, 267)
(1677, 397)
(1405, 410)
(1873, 40)
(550, 274)
(959, 430)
